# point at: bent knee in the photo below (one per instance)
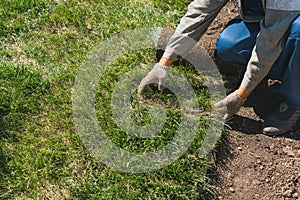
(236, 41)
(295, 28)
(230, 52)
(225, 45)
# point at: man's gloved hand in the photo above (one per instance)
(233, 102)
(158, 72)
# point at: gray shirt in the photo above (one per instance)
(279, 16)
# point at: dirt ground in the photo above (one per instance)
(249, 164)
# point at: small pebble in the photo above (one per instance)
(295, 195)
(261, 167)
(272, 147)
(256, 182)
(258, 162)
(298, 154)
(288, 193)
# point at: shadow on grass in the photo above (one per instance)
(245, 125)
(4, 135)
(222, 155)
(3, 163)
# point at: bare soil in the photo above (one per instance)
(250, 165)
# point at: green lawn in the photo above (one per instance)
(43, 44)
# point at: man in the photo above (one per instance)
(279, 18)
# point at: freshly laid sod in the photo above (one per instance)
(43, 44)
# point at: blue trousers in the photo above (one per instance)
(235, 45)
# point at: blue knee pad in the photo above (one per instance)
(235, 43)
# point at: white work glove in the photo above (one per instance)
(233, 102)
(159, 73)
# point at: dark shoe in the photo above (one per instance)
(281, 120)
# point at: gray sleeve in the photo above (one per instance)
(269, 45)
(192, 26)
